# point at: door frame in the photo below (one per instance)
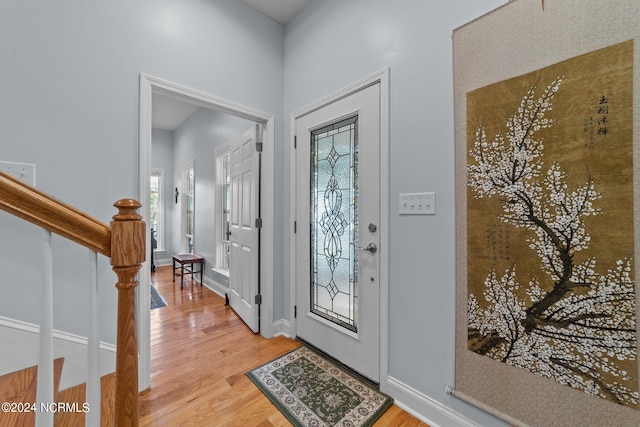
(381, 77)
(185, 167)
(149, 85)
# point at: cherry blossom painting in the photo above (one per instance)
(550, 230)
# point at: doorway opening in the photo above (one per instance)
(150, 86)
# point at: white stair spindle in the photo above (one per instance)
(44, 389)
(93, 351)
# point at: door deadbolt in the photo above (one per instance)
(372, 227)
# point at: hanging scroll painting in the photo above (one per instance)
(550, 227)
(547, 118)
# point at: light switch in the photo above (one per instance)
(25, 172)
(417, 204)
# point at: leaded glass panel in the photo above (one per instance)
(334, 222)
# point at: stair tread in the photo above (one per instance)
(77, 395)
(20, 387)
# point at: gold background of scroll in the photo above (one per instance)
(573, 141)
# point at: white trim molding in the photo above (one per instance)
(421, 406)
(282, 327)
(23, 343)
(215, 287)
(148, 86)
(19, 325)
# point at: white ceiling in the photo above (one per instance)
(169, 113)
(280, 10)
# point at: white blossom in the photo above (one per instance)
(583, 325)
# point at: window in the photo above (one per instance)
(188, 185)
(334, 222)
(156, 209)
(223, 203)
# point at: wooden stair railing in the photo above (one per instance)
(123, 241)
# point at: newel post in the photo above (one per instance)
(127, 255)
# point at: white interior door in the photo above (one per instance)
(245, 235)
(337, 237)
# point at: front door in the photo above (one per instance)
(337, 236)
(244, 237)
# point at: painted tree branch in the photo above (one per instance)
(583, 318)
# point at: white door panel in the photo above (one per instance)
(338, 197)
(244, 237)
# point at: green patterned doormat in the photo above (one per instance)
(312, 391)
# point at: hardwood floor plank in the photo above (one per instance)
(77, 395)
(19, 388)
(200, 352)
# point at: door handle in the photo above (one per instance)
(371, 247)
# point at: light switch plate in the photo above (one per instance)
(25, 172)
(417, 204)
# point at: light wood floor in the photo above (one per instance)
(200, 351)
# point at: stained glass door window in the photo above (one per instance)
(334, 222)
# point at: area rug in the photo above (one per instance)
(157, 300)
(312, 391)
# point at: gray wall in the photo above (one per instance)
(333, 43)
(69, 104)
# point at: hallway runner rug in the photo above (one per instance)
(312, 391)
(157, 300)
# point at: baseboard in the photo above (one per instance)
(208, 282)
(162, 262)
(25, 343)
(282, 327)
(215, 286)
(57, 334)
(425, 408)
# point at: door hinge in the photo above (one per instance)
(258, 299)
(295, 142)
(258, 222)
(259, 147)
(295, 227)
(295, 311)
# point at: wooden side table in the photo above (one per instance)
(187, 262)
